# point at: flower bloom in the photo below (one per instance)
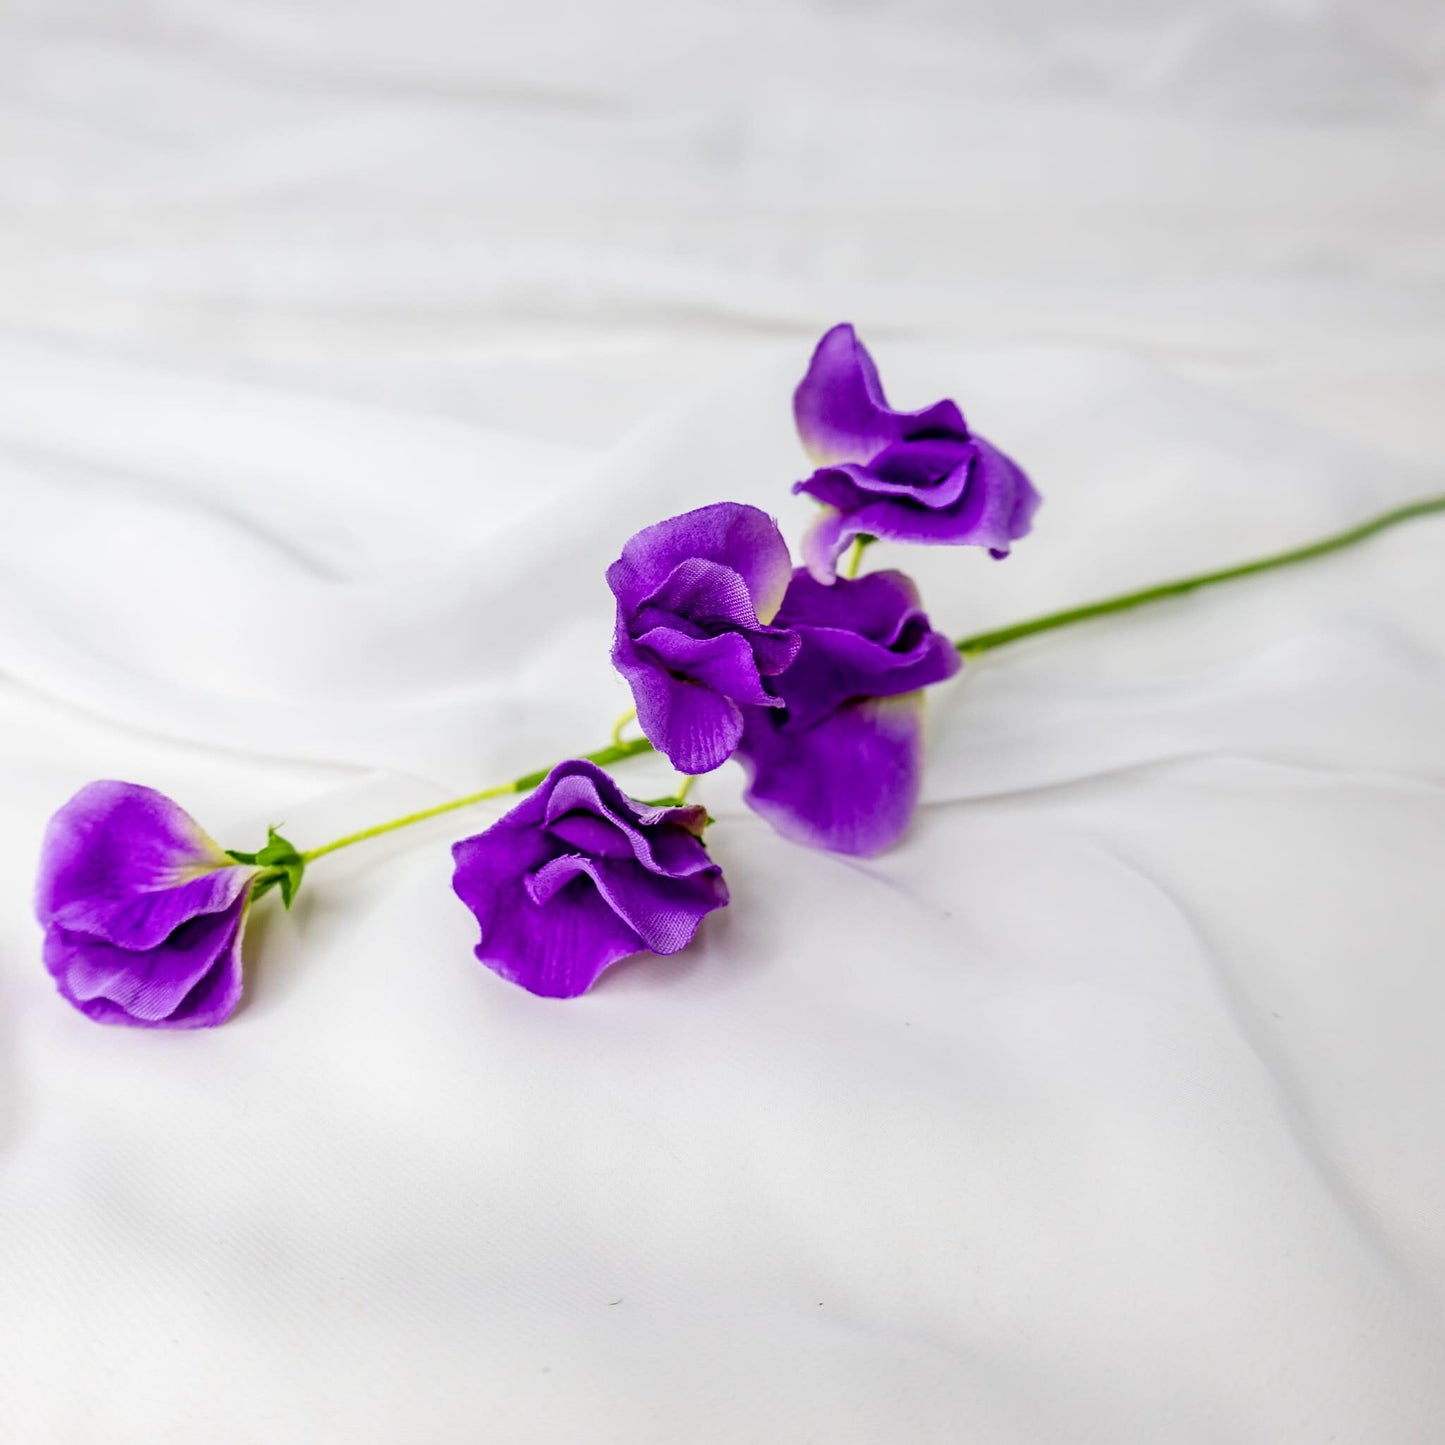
(143, 912)
(694, 597)
(578, 876)
(838, 766)
(912, 476)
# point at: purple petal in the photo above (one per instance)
(589, 834)
(116, 841)
(664, 840)
(841, 412)
(512, 846)
(825, 541)
(1003, 471)
(663, 915)
(995, 506)
(849, 784)
(693, 726)
(143, 912)
(703, 594)
(555, 949)
(693, 596)
(146, 920)
(912, 473)
(740, 537)
(859, 638)
(838, 768)
(908, 476)
(877, 605)
(192, 982)
(578, 875)
(724, 663)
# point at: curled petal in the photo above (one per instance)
(696, 727)
(193, 982)
(726, 663)
(663, 916)
(742, 538)
(841, 412)
(694, 596)
(908, 476)
(662, 839)
(143, 912)
(860, 638)
(557, 950)
(146, 920)
(838, 766)
(848, 784)
(1008, 476)
(701, 595)
(831, 535)
(994, 507)
(878, 606)
(931, 474)
(115, 841)
(578, 875)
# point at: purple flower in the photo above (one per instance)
(142, 911)
(578, 876)
(913, 476)
(694, 597)
(838, 766)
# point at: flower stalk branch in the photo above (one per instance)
(973, 646)
(619, 751)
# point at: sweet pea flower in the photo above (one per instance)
(694, 596)
(838, 766)
(143, 912)
(579, 875)
(911, 476)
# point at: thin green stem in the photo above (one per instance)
(855, 557)
(686, 788)
(612, 753)
(620, 725)
(986, 641)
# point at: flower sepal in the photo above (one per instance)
(698, 819)
(283, 865)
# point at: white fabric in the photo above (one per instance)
(340, 349)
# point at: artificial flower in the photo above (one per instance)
(143, 912)
(838, 766)
(579, 875)
(694, 596)
(911, 476)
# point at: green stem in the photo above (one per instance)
(987, 641)
(620, 726)
(618, 750)
(613, 753)
(855, 557)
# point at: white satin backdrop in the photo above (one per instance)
(1109, 1107)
